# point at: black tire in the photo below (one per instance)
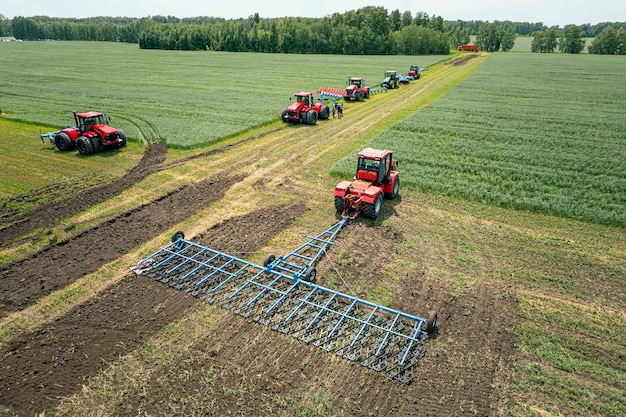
(396, 189)
(122, 137)
(340, 204)
(97, 144)
(359, 96)
(373, 210)
(310, 275)
(367, 94)
(63, 142)
(84, 145)
(269, 260)
(178, 235)
(283, 115)
(431, 322)
(324, 112)
(311, 117)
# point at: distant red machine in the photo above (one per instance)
(473, 48)
(305, 110)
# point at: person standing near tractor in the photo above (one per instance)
(339, 110)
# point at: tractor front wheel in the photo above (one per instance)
(373, 210)
(122, 137)
(97, 144)
(63, 142)
(84, 145)
(311, 117)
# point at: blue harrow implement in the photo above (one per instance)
(282, 294)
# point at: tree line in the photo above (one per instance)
(369, 30)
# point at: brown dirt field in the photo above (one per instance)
(55, 267)
(54, 362)
(462, 60)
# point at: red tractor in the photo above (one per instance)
(305, 110)
(414, 71)
(91, 134)
(356, 89)
(376, 178)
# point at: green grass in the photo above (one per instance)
(29, 165)
(543, 133)
(184, 98)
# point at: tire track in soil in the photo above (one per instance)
(22, 283)
(51, 363)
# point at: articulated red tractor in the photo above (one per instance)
(305, 110)
(91, 134)
(356, 89)
(376, 178)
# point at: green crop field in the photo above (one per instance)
(527, 131)
(184, 98)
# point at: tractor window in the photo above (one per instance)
(369, 164)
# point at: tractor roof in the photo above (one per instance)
(356, 78)
(371, 153)
(303, 94)
(89, 114)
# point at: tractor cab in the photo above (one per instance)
(374, 166)
(358, 82)
(305, 98)
(86, 121)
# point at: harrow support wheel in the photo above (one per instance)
(310, 275)
(431, 322)
(269, 260)
(178, 235)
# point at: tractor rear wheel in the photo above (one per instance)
(340, 204)
(84, 145)
(311, 117)
(324, 112)
(373, 210)
(63, 142)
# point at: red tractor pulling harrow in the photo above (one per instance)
(91, 134)
(305, 110)
(376, 178)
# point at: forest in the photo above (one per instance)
(369, 30)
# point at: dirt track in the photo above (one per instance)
(40, 368)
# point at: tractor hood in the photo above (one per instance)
(104, 129)
(295, 106)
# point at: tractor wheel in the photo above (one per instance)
(359, 96)
(97, 144)
(396, 189)
(269, 260)
(122, 136)
(310, 275)
(283, 115)
(431, 323)
(373, 210)
(340, 204)
(367, 94)
(324, 112)
(84, 145)
(63, 142)
(178, 235)
(311, 117)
